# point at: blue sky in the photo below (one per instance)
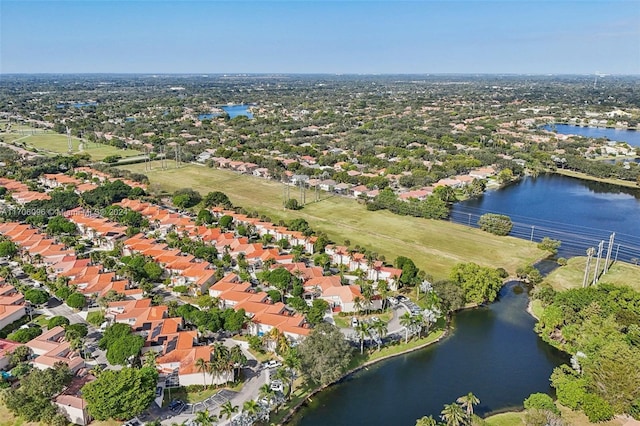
(537, 37)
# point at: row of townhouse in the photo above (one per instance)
(51, 348)
(12, 304)
(177, 349)
(103, 232)
(103, 177)
(164, 220)
(20, 192)
(61, 180)
(294, 238)
(263, 313)
(240, 166)
(374, 270)
(90, 280)
(183, 269)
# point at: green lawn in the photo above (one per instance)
(434, 245)
(585, 176)
(57, 143)
(572, 275)
(505, 419)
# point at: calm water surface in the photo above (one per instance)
(580, 213)
(632, 137)
(492, 352)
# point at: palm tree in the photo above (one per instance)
(228, 409)
(203, 366)
(363, 329)
(251, 407)
(367, 296)
(358, 304)
(203, 418)
(426, 421)
(453, 415)
(292, 362)
(380, 328)
(467, 402)
(238, 358)
(406, 320)
(383, 290)
(266, 391)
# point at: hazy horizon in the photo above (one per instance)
(313, 37)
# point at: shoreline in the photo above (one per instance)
(584, 176)
(293, 410)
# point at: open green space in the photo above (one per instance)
(434, 245)
(505, 419)
(572, 275)
(585, 176)
(57, 143)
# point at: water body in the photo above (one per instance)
(632, 137)
(77, 104)
(236, 110)
(208, 116)
(492, 352)
(578, 212)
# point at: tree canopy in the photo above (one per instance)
(325, 354)
(121, 394)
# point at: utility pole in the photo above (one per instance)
(532, 228)
(590, 252)
(596, 275)
(606, 263)
(617, 249)
(469, 224)
(69, 143)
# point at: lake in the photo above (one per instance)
(632, 137)
(492, 352)
(236, 110)
(578, 212)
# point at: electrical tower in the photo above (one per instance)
(590, 252)
(606, 263)
(596, 275)
(69, 143)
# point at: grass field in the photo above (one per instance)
(57, 143)
(506, 419)
(434, 245)
(585, 176)
(571, 275)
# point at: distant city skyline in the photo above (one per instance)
(329, 37)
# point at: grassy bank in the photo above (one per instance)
(572, 275)
(571, 418)
(580, 175)
(434, 245)
(57, 144)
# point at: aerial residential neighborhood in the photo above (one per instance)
(319, 213)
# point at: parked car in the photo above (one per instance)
(276, 385)
(392, 300)
(272, 364)
(354, 322)
(401, 298)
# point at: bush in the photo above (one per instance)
(56, 321)
(497, 224)
(35, 296)
(181, 289)
(255, 343)
(63, 292)
(76, 300)
(540, 401)
(23, 335)
(596, 408)
(562, 261)
(95, 318)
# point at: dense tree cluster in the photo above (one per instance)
(601, 326)
(121, 394)
(32, 400)
(324, 354)
(433, 207)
